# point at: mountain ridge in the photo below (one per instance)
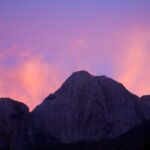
(81, 95)
(85, 108)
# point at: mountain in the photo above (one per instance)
(136, 138)
(13, 121)
(146, 99)
(86, 112)
(87, 108)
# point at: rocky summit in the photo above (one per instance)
(13, 123)
(85, 109)
(88, 108)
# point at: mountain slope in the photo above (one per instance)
(87, 108)
(13, 119)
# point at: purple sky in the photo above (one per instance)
(43, 41)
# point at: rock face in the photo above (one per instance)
(146, 99)
(135, 139)
(87, 108)
(13, 117)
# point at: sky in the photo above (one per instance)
(43, 41)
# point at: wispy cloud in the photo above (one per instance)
(30, 79)
(132, 67)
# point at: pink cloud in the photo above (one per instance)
(30, 81)
(132, 67)
(33, 76)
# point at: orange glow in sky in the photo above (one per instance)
(42, 43)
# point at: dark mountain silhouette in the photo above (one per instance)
(13, 123)
(87, 112)
(146, 99)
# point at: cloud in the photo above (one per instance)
(29, 74)
(30, 79)
(132, 67)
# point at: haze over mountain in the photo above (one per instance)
(85, 108)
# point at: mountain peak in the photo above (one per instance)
(88, 107)
(79, 75)
(81, 72)
(13, 122)
(83, 81)
(84, 74)
(7, 104)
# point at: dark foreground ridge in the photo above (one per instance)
(87, 112)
